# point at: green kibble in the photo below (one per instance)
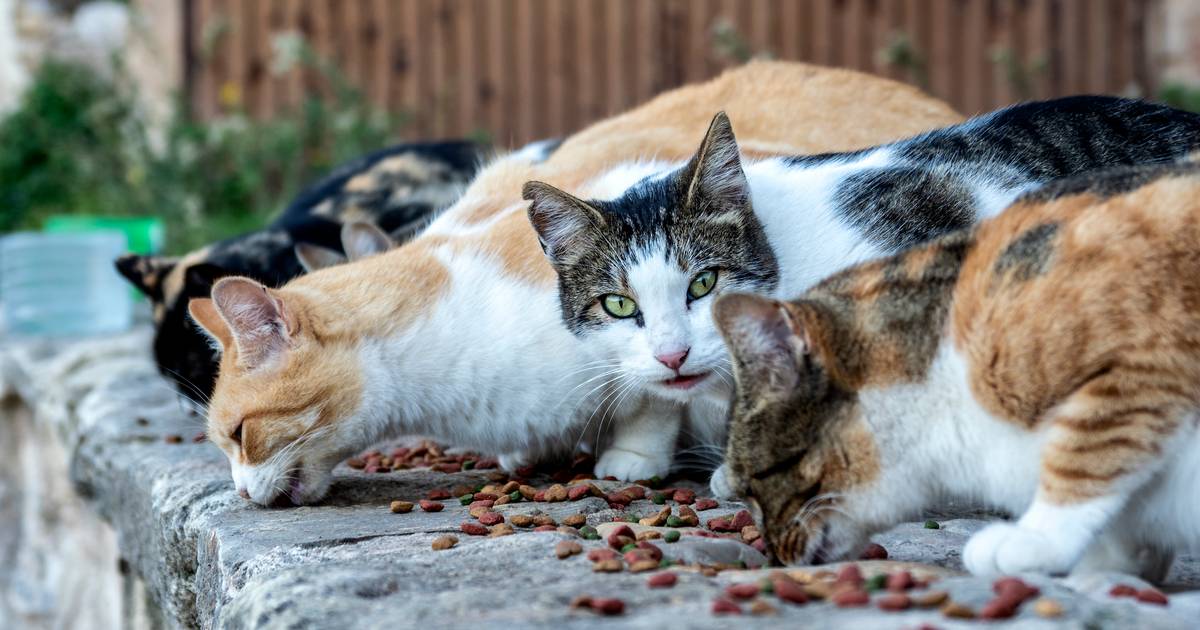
(655, 481)
(466, 499)
(515, 496)
(589, 533)
(671, 536)
(468, 465)
(674, 521)
(479, 488)
(666, 562)
(741, 564)
(932, 524)
(766, 586)
(631, 519)
(658, 498)
(876, 583)
(629, 547)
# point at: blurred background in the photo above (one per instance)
(211, 114)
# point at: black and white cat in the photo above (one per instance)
(639, 266)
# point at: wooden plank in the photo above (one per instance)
(380, 82)
(976, 51)
(466, 71)
(525, 106)
(823, 37)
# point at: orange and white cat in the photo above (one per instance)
(1046, 363)
(457, 334)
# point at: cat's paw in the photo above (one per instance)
(630, 466)
(512, 461)
(1007, 548)
(720, 486)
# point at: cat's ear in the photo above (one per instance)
(146, 272)
(313, 257)
(361, 239)
(714, 178)
(204, 313)
(256, 320)
(562, 220)
(765, 340)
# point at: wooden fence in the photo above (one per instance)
(519, 70)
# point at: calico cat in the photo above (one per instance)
(398, 189)
(456, 333)
(1046, 362)
(637, 273)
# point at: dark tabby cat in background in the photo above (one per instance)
(398, 189)
(1045, 362)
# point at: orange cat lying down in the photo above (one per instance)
(456, 334)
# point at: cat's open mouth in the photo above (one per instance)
(685, 381)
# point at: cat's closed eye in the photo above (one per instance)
(236, 436)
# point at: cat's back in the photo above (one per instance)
(1082, 277)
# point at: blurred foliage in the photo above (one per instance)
(79, 144)
(1181, 96)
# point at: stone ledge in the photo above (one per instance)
(208, 559)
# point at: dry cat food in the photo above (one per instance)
(930, 599)
(874, 551)
(705, 504)
(567, 548)
(600, 555)
(401, 507)
(521, 520)
(665, 579)
(608, 606)
(442, 543)
(1049, 608)
(955, 610)
(620, 537)
(722, 606)
(671, 536)
(684, 496)
(438, 494)
(789, 591)
(1122, 590)
(575, 520)
(491, 518)
(1152, 596)
(893, 602)
(503, 529)
(760, 607)
(658, 520)
(473, 529)
(608, 566)
(899, 581)
(742, 591)
(850, 597)
(431, 506)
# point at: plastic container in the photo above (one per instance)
(63, 284)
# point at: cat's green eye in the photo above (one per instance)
(702, 284)
(618, 305)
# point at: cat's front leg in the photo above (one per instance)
(643, 444)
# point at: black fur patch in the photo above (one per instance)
(897, 207)
(1109, 182)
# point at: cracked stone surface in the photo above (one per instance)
(206, 558)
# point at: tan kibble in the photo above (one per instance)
(501, 529)
(608, 566)
(510, 488)
(649, 534)
(527, 491)
(575, 520)
(504, 498)
(556, 493)
(442, 543)
(929, 599)
(478, 511)
(658, 520)
(955, 610)
(643, 565)
(1046, 607)
(750, 534)
(567, 548)
(521, 520)
(401, 507)
(543, 519)
(761, 607)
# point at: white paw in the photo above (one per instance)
(1007, 548)
(630, 466)
(512, 461)
(720, 486)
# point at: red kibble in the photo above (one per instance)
(789, 591)
(540, 495)
(473, 529)
(438, 494)
(621, 537)
(740, 520)
(999, 608)
(524, 471)
(576, 493)
(487, 463)
(446, 468)
(850, 597)
(742, 591)
(356, 463)
(1014, 588)
(684, 496)
(600, 555)
(546, 528)
(655, 553)
(430, 506)
(635, 555)
(491, 518)
(618, 498)
(400, 453)
(899, 581)
(1152, 596)
(705, 504)
(760, 545)
(720, 524)
(371, 468)
(894, 601)
(722, 606)
(850, 574)
(874, 551)
(666, 579)
(483, 504)
(1123, 590)
(485, 496)
(637, 492)
(608, 606)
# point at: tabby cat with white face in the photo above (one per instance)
(1046, 362)
(638, 271)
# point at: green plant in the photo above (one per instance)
(1020, 75)
(901, 52)
(78, 144)
(1180, 95)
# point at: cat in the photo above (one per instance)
(398, 188)
(1045, 362)
(456, 334)
(637, 272)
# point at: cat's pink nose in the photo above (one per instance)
(673, 360)
(243, 493)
